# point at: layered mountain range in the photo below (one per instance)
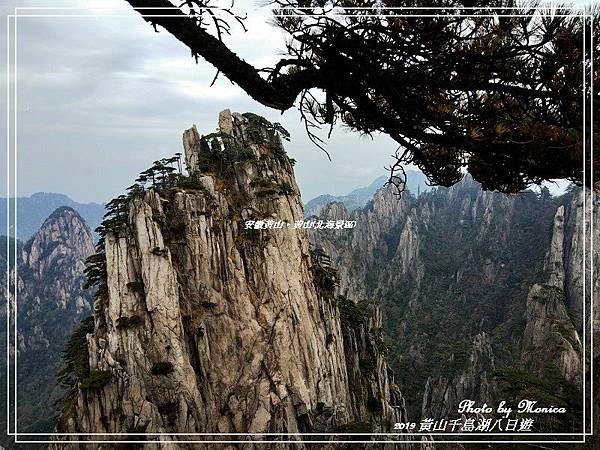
(482, 292)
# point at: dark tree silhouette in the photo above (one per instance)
(485, 84)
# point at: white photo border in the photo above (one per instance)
(301, 436)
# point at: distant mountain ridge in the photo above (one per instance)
(51, 303)
(416, 182)
(33, 210)
(481, 292)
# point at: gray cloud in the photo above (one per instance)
(102, 97)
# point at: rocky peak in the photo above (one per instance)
(550, 340)
(206, 325)
(51, 301)
(554, 263)
(246, 161)
(63, 237)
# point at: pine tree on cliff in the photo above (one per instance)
(491, 85)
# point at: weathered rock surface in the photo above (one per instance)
(576, 244)
(233, 332)
(453, 270)
(550, 339)
(554, 263)
(476, 382)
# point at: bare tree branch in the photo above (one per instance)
(279, 93)
(499, 95)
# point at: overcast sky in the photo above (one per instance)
(101, 97)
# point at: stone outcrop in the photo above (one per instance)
(442, 395)
(554, 263)
(210, 326)
(550, 340)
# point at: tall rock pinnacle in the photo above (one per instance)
(209, 326)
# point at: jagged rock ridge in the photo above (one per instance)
(453, 270)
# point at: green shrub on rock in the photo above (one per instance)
(129, 322)
(96, 380)
(162, 368)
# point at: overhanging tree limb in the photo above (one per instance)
(499, 95)
(279, 93)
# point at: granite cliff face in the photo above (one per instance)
(205, 325)
(475, 382)
(50, 303)
(553, 341)
(471, 284)
(565, 257)
(550, 339)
